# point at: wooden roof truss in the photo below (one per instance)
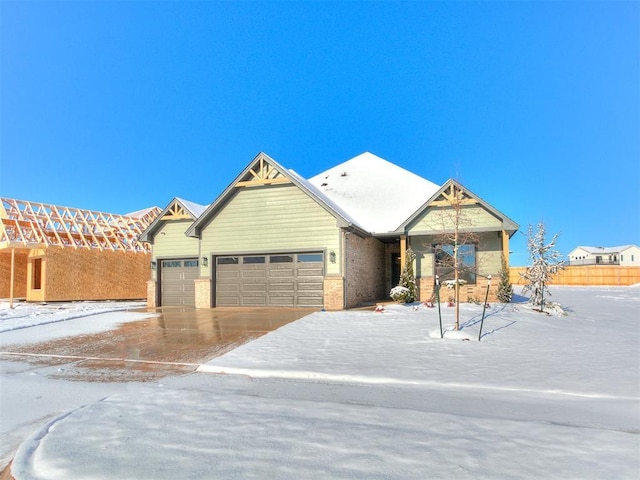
(36, 225)
(262, 172)
(176, 212)
(453, 195)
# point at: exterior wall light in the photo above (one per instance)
(205, 262)
(332, 256)
(153, 265)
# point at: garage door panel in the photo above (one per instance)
(229, 300)
(172, 275)
(277, 287)
(229, 288)
(287, 301)
(254, 288)
(287, 279)
(310, 301)
(282, 272)
(310, 272)
(250, 301)
(254, 274)
(177, 286)
(228, 274)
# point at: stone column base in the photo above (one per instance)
(203, 292)
(152, 294)
(334, 293)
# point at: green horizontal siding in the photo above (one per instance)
(489, 256)
(272, 218)
(441, 219)
(171, 241)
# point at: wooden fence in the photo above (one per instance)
(586, 275)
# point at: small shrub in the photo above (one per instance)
(401, 294)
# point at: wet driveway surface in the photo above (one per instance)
(175, 341)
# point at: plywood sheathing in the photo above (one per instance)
(91, 274)
(19, 274)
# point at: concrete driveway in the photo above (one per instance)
(175, 341)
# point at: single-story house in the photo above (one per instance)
(625, 255)
(336, 240)
(55, 253)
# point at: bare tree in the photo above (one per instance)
(455, 250)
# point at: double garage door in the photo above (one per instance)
(272, 280)
(177, 281)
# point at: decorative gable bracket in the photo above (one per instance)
(453, 195)
(262, 173)
(176, 212)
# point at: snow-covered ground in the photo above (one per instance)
(25, 315)
(360, 394)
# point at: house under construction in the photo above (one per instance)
(53, 253)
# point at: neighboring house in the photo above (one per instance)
(625, 255)
(337, 240)
(54, 253)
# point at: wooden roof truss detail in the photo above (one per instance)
(176, 212)
(262, 173)
(30, 225)
(453, 195)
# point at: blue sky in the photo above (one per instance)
(534, 106)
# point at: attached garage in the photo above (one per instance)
(269, 280)
(177, 287)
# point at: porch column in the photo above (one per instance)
(505, 246)
(403, 251)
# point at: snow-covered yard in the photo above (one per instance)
(359, 394)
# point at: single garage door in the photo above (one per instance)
(273, 280)
(177, 281)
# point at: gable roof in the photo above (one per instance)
(177, 209)
(376, 193)
(263, 170)
(443, 196)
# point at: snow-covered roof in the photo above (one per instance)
(605, 250)
(194, 208)
(375, 193)
(315, 192)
